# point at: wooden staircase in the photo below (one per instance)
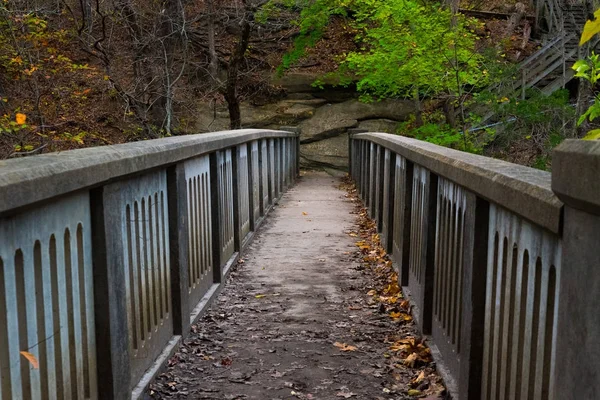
(549, 68)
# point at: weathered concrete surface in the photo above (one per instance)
(25, 181)
(575, 166)
(575, 181)
(272, 331)
(523, 190)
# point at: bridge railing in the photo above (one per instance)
(481, 247)
(108, 255)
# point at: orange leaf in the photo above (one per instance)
(31, 358)
(21, 118)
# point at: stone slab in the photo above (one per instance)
(332, 152)
(333, 118)
(379, 125)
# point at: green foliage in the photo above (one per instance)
(589, 69)
(537, 109)
(435, 131)
(406, 47)
(314, 18)
(537, 124)
(445, 135)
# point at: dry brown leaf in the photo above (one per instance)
(417, 381)
(345, 347)
(410, 360)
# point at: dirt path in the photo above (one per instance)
(295, 321)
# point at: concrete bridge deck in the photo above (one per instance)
(108, 256)
(300, 289)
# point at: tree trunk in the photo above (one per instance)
(213, 67)
(515, 19)
(450, 112)
(418, 108)
(235, 62)
(172, 23)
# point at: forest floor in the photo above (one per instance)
(310, 313)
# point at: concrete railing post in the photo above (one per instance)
(575, 180)
(178, 242)
(475, 255)
(253, 185)
(295, 153)
(215, 218)
(237, 237)
(380, 169)
(353, 166)
(387, 219)
(110, 305)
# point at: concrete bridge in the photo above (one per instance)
(109, 255)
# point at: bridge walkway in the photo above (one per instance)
(299, 290)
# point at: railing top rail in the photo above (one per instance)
(525, 191)
(561, 37)
(29, 180)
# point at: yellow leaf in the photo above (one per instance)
(594, 134)
(590, 29)
(344, 346)
(31, 358)
(414, 392)
(372, 292)
(21, 118)
(260, 296)
(304, 213)
(400, 315)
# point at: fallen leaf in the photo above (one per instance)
(372, 292)
(414, 392)
(226, 361)
(417, 381)
(304, 213)
(31, 358)
(410, 360)
(20, 119)
(345, 347)
(260, 296)
(345, 395)
(400, 316)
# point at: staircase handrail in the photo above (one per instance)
(541, 52)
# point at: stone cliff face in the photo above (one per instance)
(322, 115)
